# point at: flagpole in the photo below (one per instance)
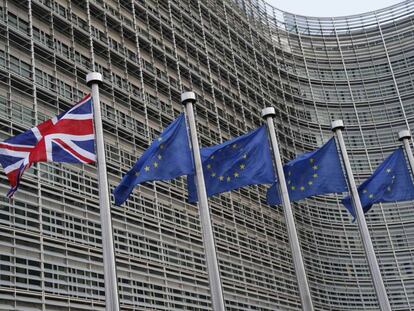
(93, 80)
(187, 99)
(376, 277)
(305, 296)
(405, 136)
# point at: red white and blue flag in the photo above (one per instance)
(68, 137)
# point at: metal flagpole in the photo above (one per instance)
(376, 277)
(187, 99)
(93, 80)
(405, 136)
(305, 296)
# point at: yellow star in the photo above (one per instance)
(388, 170)
(234, 146)
(236, 174)
(161, 146)
(289, 182)
(208, 166)
(159, 138)
(364, 191)
(293, 187)
(389, 188)
(228, 178)
(245, 156)
(147, 168)
(289, 173)
(315, 175)
(221, 178)
(311, 160)
(315, 167)
(242, 166)
(159, 157)
(310, 183)
(155, 164)
(213, 174)
(371, 196)
(137, 174)
(302, 188)
(212, 157)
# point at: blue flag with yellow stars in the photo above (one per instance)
(390, 182)
(312, 173)
(168, 157)
(242, 161)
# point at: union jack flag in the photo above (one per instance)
(68, 137)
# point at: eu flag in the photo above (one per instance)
(312, 173)
(245, 160)
(390, 182)
(168, 157)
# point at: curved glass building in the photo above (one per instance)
(239, 56)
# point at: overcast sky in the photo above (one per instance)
(323, 8)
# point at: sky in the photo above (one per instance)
(330, 8)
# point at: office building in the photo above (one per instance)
(239, 56)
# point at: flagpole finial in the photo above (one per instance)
(188, 97)
(404, 134)
(337, 125)
(268, 112)
(93, 77)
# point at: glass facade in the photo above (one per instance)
(239, 56)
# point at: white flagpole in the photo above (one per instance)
(305, 296)
(376, 277)
(93, 80)
(405, 136)
(187, 99)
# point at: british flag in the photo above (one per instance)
(68, 137)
